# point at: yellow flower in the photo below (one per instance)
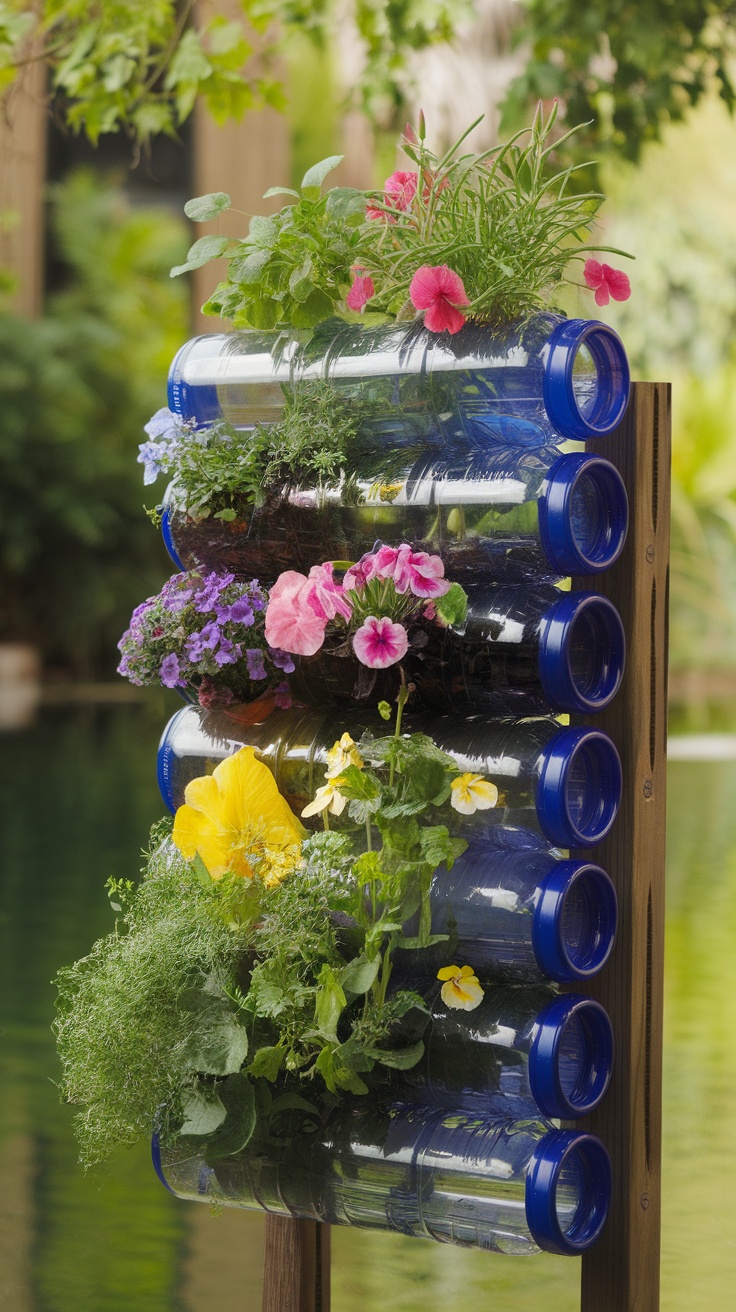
(343, 754)
(471, 792)
(327, 796)
(462, 988)
(236, 819)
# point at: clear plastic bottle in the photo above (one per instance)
(564, 782)
(494, 515)
(507, 1186)
(520, 652)
(524, 384)
(520, 914)
(519, 1052)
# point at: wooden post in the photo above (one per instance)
(621, 1273)
(296, 1266)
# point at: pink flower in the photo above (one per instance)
(326, 597)
(438, 291)
(411, 571)
(292, 620)
(357, 576)
(360, 293)
(379, 643)
(606, 282)
(398, 193)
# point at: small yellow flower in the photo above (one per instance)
(236, 819)
(471, 792)
(326, 797)
(343, 754)
(462, 988)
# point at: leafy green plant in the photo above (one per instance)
(501, 224)
(292, 269)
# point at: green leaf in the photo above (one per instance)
(202, 208)
(301, 284)
(280, 191)
(204, 250)
(438, 848)
(220, 1045)
(203, 1110)
(329, 1002)
(318, 306)
(358, 975)
(401, 1059)
(428, 780)
(267, 1063)
(384, 710)
(292, 1102)
(453, 607)
(201, 871)
(227, 516)
(344, 202)
(262, 231)
(238, 1095)
(314, 177)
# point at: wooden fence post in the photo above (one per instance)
(296, 1266)
(621, 1273)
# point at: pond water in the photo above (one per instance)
(79, 794)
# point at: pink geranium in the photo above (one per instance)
(398, 193)
(326, 597)
(293, 621)
(355, 579)
(411, 571)
(379, 643)
(438, 291)
(606, 282)
(360, 293)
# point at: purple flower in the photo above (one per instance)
(241, 612)
(169, 672)
(228, 653)
(282, 660)
(164, 424)
(256, 663)
(152, 457)
(209, 595)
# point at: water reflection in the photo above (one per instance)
(79, 794)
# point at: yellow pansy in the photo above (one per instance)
(343, 754)
(236, 820)
(471, 792)
(461, 988)
(327, 797)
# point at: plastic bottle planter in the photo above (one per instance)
(522, 385)
(564, 782)
(520, 1052)
(495, 515)
(520, 652)
(520, 914)
(512, 1187)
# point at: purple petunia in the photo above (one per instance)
(282, 660)
(169, 672)
(255, 662)
(228, 653)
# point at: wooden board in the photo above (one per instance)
(621, 1273)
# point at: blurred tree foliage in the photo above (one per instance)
(139, 65)
(76, 551)
(624, 67)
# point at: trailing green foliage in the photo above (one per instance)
(139, 65)
(149, 1007)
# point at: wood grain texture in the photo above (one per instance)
(296, 1266)
(621, 1273)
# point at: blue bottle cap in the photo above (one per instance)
(583, 514)
(568, 1191)
(166, 758)
(191, 401)
(574, 921)
(579, 788)
(571, 1056)
(591, 404)
(168, 540)
(582, 649)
